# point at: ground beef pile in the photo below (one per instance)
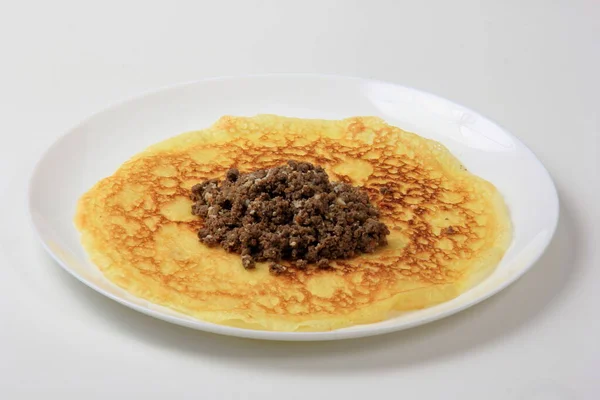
(290, 212)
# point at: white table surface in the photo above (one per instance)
(530, 65)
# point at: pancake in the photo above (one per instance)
(449, 228)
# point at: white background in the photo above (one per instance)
(532, 66)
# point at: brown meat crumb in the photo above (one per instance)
(301, 264)
(277, 269)
(385, 190)
(290, 212)
(248, 261)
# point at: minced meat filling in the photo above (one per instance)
(290, 212)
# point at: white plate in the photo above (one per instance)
(96, 147)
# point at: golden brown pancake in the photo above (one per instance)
(449, 228)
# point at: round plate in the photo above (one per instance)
(99, 145)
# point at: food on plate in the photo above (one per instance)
(428, 229)
(290, 212)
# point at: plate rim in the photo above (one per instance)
(277, 335)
